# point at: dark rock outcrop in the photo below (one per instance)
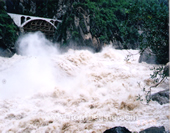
(161, 97)
(118, 129)
(154, 130)
(42, 8)
(75, 27)
(76, 22)
(14, 6)
(147, 56)
(166, 69)
(6, 53)
(87, 23)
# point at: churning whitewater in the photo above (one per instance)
(43, 90)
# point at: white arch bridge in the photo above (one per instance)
(32, 24)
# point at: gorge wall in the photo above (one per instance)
(79, 25)
(95, 23)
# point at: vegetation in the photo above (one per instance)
(159, 75)
(152, 19)
(132, 24)
(8, 30)
(104, 20)
(42, 8)
(46, 8)
(121, 21)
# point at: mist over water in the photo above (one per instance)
(35, 44)
(42, 90)
(32, 71)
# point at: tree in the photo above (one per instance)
(151, 17)
(8, 30)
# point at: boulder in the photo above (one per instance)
(154, 130)
(166, 69)
(161, 97)
(147, 56)
(6, 53)
(117, 129)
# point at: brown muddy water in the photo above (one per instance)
(42, 90)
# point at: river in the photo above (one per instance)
(45, 90)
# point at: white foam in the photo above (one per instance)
(43, 90)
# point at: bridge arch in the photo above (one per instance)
(46, 27)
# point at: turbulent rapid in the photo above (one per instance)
(43, 90)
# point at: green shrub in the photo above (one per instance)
(151, 17)
(8, 30)
(121, 21)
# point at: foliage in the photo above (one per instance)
(46, 8)
(8, 30)
(121, 21)
(42, 8)
(151, 17)
(67, 25)
(158, 77)
(112, 20)
(103, 21)
(67, 30)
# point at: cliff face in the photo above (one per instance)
(77, 19)
(94, 23)
(89, 23)
(76, 27)
(41, 8)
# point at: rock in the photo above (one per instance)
(14, 6)
(37, 7)
(154, 130)
(166, 69)
(6, 53)
(83, 23)
(147, 56)
(118, 129)
(161, 97)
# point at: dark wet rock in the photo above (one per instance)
(118, 129)
(154, 130)
(6, 53)
(14, 6)
(147, 56)
(161, 97)
(166, 69)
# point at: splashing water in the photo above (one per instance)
(42, 90)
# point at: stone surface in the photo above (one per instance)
(6, 53)
(147, 56)
(161, 97)
(166, 69)
(63, 10)
(118, 129)
(154, 130)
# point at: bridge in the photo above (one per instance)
(32, 24)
